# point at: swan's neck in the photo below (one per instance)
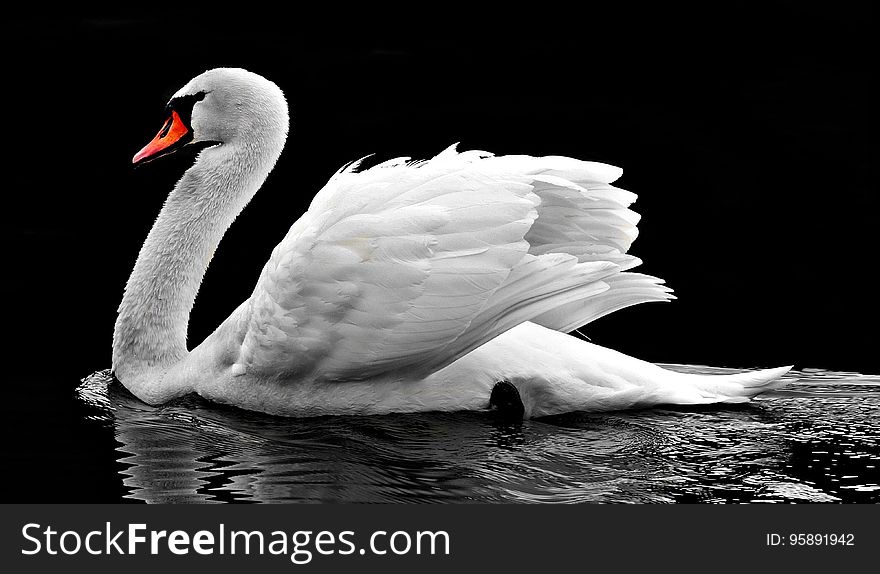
(151, 327)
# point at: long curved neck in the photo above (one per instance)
(151, 327)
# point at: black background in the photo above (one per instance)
(749, 133)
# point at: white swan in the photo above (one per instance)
(409, 286)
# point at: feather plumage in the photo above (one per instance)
(411, 265)
(408, 286)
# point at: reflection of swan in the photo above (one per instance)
(405, 287)
(192, 451)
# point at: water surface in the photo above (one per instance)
(817, 440)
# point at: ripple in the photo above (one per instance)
(815, 440)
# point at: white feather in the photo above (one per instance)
(408, 286)
(438, 257)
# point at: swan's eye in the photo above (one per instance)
(184, 104)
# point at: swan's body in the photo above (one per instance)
(405, 287)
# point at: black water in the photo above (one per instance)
(815, 440)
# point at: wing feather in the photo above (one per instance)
(407, 266)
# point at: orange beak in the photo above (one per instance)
(172, 132)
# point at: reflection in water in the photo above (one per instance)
(816, 440)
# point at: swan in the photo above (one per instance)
(408, 286)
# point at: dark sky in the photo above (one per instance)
(749, 135)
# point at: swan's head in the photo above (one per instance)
(220, 106)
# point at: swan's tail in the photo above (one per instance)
(632, 383)
(733, 388)
(557, 373)
(629, 383)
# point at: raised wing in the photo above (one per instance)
(405, 267)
